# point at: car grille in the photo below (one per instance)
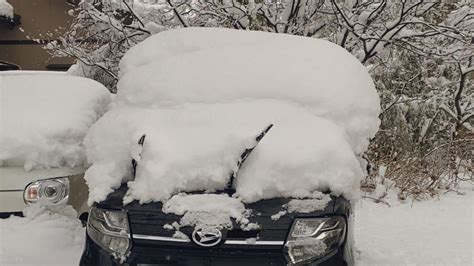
(234, 251)
(153, 244)
(150, 221)
(166, 256)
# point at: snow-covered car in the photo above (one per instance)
(44, 118)
(229, 147)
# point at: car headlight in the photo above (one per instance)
(47, 192)
(312, 238)
(110, 230)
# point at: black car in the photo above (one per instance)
(136, 230)
(137, 234)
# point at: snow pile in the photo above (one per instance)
(308, 205)
(197, 146)
(316, 202)
(187, 152)
(44, 118)
(202, 65)
(6, 9)
(43, 237)
(202, 211)
(201, 96)
(278, 215)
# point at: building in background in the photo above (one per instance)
(32, 21)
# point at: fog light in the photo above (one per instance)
(110, 230)
(313, 238)
(47, 192)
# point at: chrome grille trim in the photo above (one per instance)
(160, 238)
(258, 243)
(227, 242)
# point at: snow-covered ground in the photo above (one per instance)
(41, 238)
(434, 232)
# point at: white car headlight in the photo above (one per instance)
(110, 230)
(47, 192)
(312, 238)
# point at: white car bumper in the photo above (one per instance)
(11, 201)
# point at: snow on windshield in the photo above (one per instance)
(201, 96)
(44, 118)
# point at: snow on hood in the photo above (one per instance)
(203, 211)
(201, 96)
(6, 9)
(44, 118)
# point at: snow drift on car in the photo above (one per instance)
(201, 96)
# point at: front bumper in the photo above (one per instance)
(146, 252)
(11, 202)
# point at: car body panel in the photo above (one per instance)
(78, 194)
(11, 201)
(16, 177)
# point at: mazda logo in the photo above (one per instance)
(207, 237)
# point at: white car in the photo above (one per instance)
(44, 117)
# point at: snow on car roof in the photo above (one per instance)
(203, 65)
(201, 95)
(45, 116)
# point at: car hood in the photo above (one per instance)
(16, 177)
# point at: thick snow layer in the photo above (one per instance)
(6, 9)
(202, 65)
(197, 146)
(42, 238)
(201, 96)
(203, 211)
(44, 118)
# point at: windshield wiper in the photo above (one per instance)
(242, 159)
(246, 154)
(134, 162)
